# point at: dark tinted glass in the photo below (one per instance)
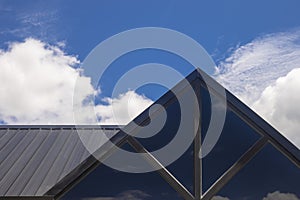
(236, 138)
(269, 175)
(182, 168)
(105, 183)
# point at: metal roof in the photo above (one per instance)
(34, 158)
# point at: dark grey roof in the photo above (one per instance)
(34, 158)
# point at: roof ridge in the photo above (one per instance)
(50, 127)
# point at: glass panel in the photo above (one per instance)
(162, 137)
(106, 183)
(269, 176)
(182, 167)
(236, 138)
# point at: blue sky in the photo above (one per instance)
(255, 45)
(228, 30)
(216, 25)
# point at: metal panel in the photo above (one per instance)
(95, 140)
(35, 158)
(75, 158)
(5, 138)
(34, 141)
(88, 140)
(35, 183)
(88, 165)
(28, 172)
(2, 132)
(13, 155)
(26, 198)
(9, 150)
(80, 153)
(58, 165)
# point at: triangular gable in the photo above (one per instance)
(196, 78)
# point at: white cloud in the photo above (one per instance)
(31, 23)
(123, 108)
(280, 196)
(279, 104)
(37, 85)
(258, 74)
(270, 196)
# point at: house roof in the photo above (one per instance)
(44, 161)
(35, 158)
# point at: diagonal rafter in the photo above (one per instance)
(161, 169)
(235, 168)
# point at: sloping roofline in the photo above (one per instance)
(196, 77)
(105, 127)
(253, 119)
(233, 103)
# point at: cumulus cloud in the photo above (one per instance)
(121, 109)
(280, 196)
(37, 83)
(261, 74)
(270, 196)
(279, 104)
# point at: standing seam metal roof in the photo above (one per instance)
(33, 160)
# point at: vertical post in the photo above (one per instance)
(197, 142)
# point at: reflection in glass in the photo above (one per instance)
(236, 138)
(105, 183)
(269, 175)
